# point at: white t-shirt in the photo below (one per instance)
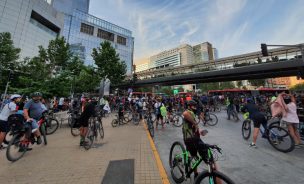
(158, 104)
(7, 111)
(61, 101)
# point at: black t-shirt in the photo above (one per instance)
(211, 99)
(253, 110)
(89, 110)
(120, 114)
(21, 105)
(197, 102)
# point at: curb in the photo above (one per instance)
(160, 166)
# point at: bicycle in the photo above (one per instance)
(278, 135)
(150, 123)
(72, 115)
(104, 113)
(21, 128)
(114, 122)
(92, 132)
(51, 124)
(210, 118)
(182, 168)
(177, 120)
(234, 114)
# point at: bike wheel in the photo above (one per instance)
(277, 123)
(125, 120)
(197, 119)
(246, 129)
(13, 152)
(235, 116)
(7, 138)
(136, 118)
(279, 140)
(206, 177)
(127, 115)
(177, 120)
(151, 128)
(114, 123)
(218, 108)
(211, 119)
(100, 128)
(177, 164)
(70, 120)
(51, 126)
(75, 131)
(106, 114)
(42, 132)
(89, 138)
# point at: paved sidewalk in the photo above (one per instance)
(62, 160)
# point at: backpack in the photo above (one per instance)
(17, 122)
(163, 111)
(158, 108)
(140, 104)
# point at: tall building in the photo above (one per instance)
(288, 81)
(31, 23)
(203, 52)
(215, 53)
(68, 6)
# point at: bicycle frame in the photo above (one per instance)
(273, 133)
(27, 138)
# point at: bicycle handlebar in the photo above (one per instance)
(214, 147)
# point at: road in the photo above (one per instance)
(240, 162)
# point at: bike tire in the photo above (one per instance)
(197, 119)
(43, 133)
(212, 119)
(151, 128)
(235, 116)
(173, 162)
(75, 131)
(215, 174)
(136, 118)
(218, 108)
(100, 128)
(15, 143)
(281, 138)
(106, 114)
(70, 120)
(53, 126)
(177, 120)
(7, 138)
(114, 123)
(246, 129)
(89, 138)
(125, 120)
(277, 123)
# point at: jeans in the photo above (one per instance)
(229, 108)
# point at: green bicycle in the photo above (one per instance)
(182, 166)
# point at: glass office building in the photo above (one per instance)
(68, 6)
(85, 32)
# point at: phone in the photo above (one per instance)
(204, 132)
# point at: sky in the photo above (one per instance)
(232, 26)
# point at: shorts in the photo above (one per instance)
(159, 116)
(4, 126)
(60, 107)
(258, 122)
(211, 103)
(290, 123)
(83, 121)
(195, 146)
(199, 111)
(34, 124)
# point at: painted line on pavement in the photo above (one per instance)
(160, 166)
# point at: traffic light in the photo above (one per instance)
(264, 49)
(11, 76)
(135, 77)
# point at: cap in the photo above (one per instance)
(15, 96)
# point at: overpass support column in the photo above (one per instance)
(153, 89)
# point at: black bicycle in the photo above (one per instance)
(234, 114)
(182, 166)
(92, 132)
(210, 118)
(150, 123)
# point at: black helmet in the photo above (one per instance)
(287, 100)
(37, 94)
(191, 103)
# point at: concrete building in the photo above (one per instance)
(68, 6)
(31, 23)
(288, 81)
(215, 53)
(203, 52)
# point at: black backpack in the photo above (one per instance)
(17, 123)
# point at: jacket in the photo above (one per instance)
(278, 106)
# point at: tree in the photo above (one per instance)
(8, 53)
(206, 87)
(180, 89)
(87, 81)
(239, 84)
(227, 85)
(297, 87)
(110, 68)
(244, 87)
(166, 90)
(257, 82)
(144, 90)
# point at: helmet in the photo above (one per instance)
(287, 100)
(190, 103)
(249, 100)
(37, 94)
(121, 104)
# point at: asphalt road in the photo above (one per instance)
(240, 162)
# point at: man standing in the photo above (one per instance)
(102, 102)
(158, 113)
(229, 102)
(60, 104)
(88, 111)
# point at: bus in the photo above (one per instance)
(255, 92)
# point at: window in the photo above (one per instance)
(87, 29)
(121, 40)
(105, 35)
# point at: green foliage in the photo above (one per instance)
(239, 84)
(143, 90)
(257, 82)
(227, 85)
(205, 87)
(297, 87)
(166, 90)
(244, 87)
(110, 68)
(180, 89)
(87, 81)
(8, 53)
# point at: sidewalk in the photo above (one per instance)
(62, 160)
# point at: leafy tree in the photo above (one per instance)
(166, 90)
(297, 87)
(257, 82)
(180, 89)
(8, 53)
(227, 85)
(239, 84)
(87, 81)
(206, 87)
(244, 87)
(143, 90)
(110, 68)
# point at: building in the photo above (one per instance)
(68, 6)
(203, 52)
(288, 81)
(31, 23)
(215, 53)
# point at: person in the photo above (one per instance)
(158, 114)
(33, 112)
(139, 109)
(102, 102)
(257, 117)
(204, 97)
(199, 106)
(169, 110)
(88, 110)
(60, 104)
(292, 119)
(191, 135)
(145, 105)
(120, 113)
(229, 102)
(9, 109)
(211, 102)
(236, 103)
(21, 105)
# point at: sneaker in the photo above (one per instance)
(274, 142)
(156, 128)
(163, 128)
(228, 118)
(81, 143)
(252, 145)
(2, 147)
(39, 141)
(301, 145)
(297, 146)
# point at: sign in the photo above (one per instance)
(175, 91)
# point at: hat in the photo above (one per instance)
(15, 96)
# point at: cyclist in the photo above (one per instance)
(199, 106)
(158, 114)
(211, 102)
(191, 134)
(120, 113)
(8, 109)
(169, 110)
(229, 102)
(257, 117)
(204, 97)
(88, 111)
(32, 111)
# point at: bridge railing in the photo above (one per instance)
(283, 54)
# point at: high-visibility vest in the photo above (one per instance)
(228, 102)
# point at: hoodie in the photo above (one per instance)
(278, 106)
